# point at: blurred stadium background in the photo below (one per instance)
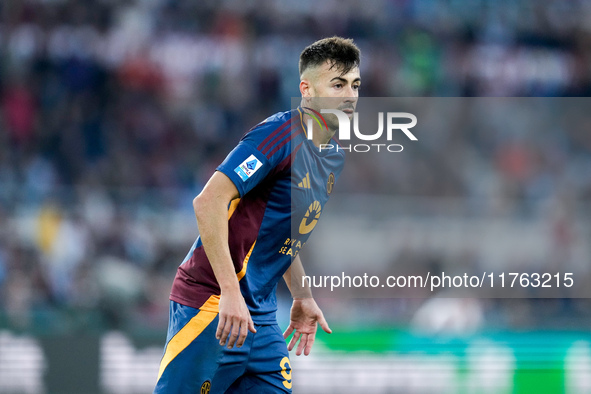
(115, 113)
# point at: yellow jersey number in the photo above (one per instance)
(285, 372)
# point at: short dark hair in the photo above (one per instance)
(341, 52)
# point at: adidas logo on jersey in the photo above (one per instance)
(305, 183)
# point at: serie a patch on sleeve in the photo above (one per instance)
(248, 167)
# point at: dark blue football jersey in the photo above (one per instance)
(284, 182)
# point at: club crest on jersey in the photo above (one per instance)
(205, 387)
(330, 183)
(248, 167)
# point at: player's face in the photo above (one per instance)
(328, 88)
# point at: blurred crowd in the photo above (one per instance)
(114, 114)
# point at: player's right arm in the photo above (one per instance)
(211, 211)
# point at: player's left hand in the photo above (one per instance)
(305, 313)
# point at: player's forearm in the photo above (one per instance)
(294, 279)
(212, 219)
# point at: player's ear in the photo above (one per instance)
(305, 88)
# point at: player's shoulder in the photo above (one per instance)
(277, 135)
(275, 123)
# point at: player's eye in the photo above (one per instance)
(338, 85)
(356, 87)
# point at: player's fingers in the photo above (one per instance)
(221, 324)
(251, 325)
(236, 323)
(301, 345)
(245, 326)
(309, 343)
(293, 341)
(288, 331)
(242, 334)
(324, 324)
(225, 332)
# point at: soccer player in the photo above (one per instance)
(254, 215)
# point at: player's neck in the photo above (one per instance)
(320, 135)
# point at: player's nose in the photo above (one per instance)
(350, 92)
(349, 101)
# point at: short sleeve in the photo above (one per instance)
(259, 152)
(246, 167)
